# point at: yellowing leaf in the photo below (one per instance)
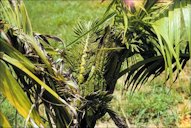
(3, 121)
(10, 88)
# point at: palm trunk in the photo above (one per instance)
(114, 66)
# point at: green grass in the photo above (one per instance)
(155, 105)
(59, 17)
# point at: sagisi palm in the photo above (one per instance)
(34, 78)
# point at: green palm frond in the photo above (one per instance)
(160, 37)
(94, 27)
(171, 30)
(139, 73)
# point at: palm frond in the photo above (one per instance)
(161, 42)
(170, 31)
(16, 96)
(101, 21)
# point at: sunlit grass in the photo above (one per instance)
(59, 17)
(155, 104)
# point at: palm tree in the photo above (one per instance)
(34, 76)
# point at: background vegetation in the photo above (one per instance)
(60, 17)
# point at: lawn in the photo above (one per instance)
(60, 17)
(154, 105)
